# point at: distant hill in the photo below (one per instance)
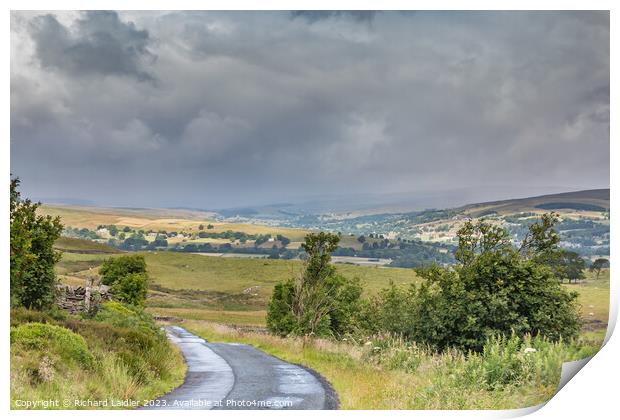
(587, 200)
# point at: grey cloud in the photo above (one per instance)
(98, 43)
(264, 107)
(312, 16)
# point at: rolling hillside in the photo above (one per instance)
(584, 220)
(588, 200)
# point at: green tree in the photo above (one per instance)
(319, 301)
(114, 269)
(160, 241)
(131, 289)
(32, 277)
(284, 241)
(113, 230)
(389, 311)
(572, 266)
(127, 278)
(541, 243)
(598, 265)
(494, 289)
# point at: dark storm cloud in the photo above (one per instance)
(97, 43)
(316, 15)
(257, 107)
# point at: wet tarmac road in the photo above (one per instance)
(230, 376)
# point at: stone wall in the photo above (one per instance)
(76, 299)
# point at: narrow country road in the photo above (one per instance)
(229, 376)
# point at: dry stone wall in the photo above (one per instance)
(76, 299)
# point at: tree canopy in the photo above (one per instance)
(32, 276)
(319, 301)
(495, 289)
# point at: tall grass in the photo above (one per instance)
(118, 355)
(386, 372)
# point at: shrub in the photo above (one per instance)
(114, 269)
(495, 290)
(319, 302)
(491, 296)
(117, 308)
(280, 319)
(125, 316)
(52, 339)
(127, 277)
(131, 289)
(130, 333)
(396, 353)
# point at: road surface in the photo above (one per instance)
(230, 376)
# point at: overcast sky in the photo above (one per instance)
(211, 110)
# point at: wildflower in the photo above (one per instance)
(529, 350)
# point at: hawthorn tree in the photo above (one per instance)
(598, 265)
(318, 301)
(494, 289)
(32, 278)
(127, 278)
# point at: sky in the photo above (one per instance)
(224, 109)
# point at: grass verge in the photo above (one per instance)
(117, 359)
(387, 373)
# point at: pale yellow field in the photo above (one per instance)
(90, 218)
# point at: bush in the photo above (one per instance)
(125, 316)
(114, 269)
(131, 289)
(319, 302)
(496, 290)
(52, 339)
(280, 319)
(396, 354)
(127, 277)
(128, 356)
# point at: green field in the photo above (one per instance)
(225, 299)
(236, 290)
(594, 299)
(219, 289)
(177, 270)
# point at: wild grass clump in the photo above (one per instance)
(127, 316)
(393, 352)
(52, 339)
(118, 354)
(511, 361)
(503, 362)
(22, 315)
